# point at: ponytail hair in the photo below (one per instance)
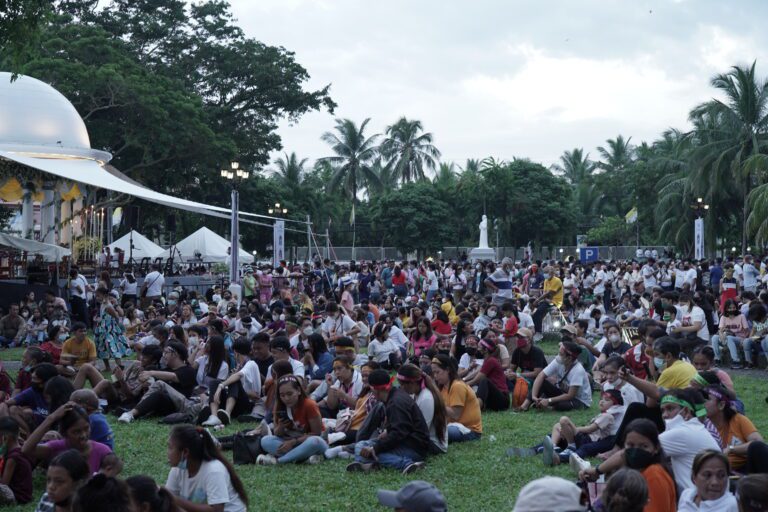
(202, 448)
(626, 491)
(144, 490)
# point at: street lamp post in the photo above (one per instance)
(700, 208)
(236, 175)
(278, 234)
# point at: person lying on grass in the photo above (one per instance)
(298, 427)
(75, 430)
(404, 443)
(127, 386)
(201, 478)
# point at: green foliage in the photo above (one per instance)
(610, 231)
(20, 22)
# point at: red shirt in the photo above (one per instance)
(637, 361)
(441, 327)
(495, 373)
(398, 279)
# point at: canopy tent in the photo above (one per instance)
(143, 247)
(47, 251)
(203, 245)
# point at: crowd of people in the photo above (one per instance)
(387, 364)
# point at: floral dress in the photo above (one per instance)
(110, 337)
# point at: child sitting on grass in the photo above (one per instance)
(569, 441)
(101, 432)
(15, 468)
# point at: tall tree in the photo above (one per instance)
(617, 155)
(409, 150)
(290, 170)
(353, 158)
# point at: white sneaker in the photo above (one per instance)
(212, 421)
(126, 417)
(315, 459)
(266, 460)
(577, 463)
(335, 437)
(344, 454)
(332, 453)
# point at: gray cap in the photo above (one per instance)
(549, 494)
(416, 496)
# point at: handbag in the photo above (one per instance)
(245, 448)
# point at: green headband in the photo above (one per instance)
(669, 399)
(698, 379)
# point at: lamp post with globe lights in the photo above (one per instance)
(236, 176)
(700, 208)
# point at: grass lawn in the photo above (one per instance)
(473, 476)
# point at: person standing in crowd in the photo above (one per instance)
(152, 287)
(78, 296)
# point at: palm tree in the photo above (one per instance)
(408, 150)
(576, 167)
(290, 170)
(617, 156)
(446, 177)
(354, 155)
(735, 132)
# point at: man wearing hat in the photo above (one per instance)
(549, 494)
(416, 496)
(526, 362)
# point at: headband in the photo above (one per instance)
(383, 387)
(699, 379)
(612, 398)
(438, 362)
(669, 399)
(712, 391)
(488, 345)
(405, 378)
(287, 378)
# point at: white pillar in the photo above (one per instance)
(27, 212)
(66, 219)
(48, 214)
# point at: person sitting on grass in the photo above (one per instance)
(571, 388)
(423, 389)
(625, 491)
(629, 393)
(461, 405)
(101, 490)
(298, 427)
(404, 443)
(340, 389)
(32, 357)
(415, 496)
(75, 429)
(148, 497)
(77, 350)
(172, 388)
(210, 362)
(753, 493)
(642, 451)
(239, 391)
(569, 441)
(29, 408)
(710, 485)
(127, 386)
(54, 343)
(66, 473)
(101, 432)
(492, 391)
(201, 478)
(704, 361)
(15, 468)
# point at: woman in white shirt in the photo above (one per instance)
(382, 349)
(692, 330)
(200, 474)
(710, 492)
(211, 364)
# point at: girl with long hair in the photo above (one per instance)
(430, 402)
(422, 338)
(200, 474)
(148, 497)
(461, 405)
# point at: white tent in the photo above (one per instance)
(143, 247)
(48, 251)
(204, 245)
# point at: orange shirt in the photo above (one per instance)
(662, 496)
(303, 412)
(735, 433)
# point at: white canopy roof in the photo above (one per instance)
(143, 247)
(48, 251)
(204, 245)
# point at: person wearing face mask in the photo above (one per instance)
(483, 320)
(571, 390)
(54, 343)
(693, 329)
(641, 451)
(478, 279)
(338, 325)
(732, 331)
(614, 346)
(729, 287)
(471, 360)
(500, 282)
(629, 393)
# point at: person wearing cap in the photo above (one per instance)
(405, 442)
(461, 404)
(500, 282)
(492, 390)
(416, 496)
(338, 324)
(569, 387)
(249, 284)
(172, 388)
(550, 494)
(526, 362)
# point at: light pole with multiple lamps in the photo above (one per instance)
(278, 234)
(235, 175)
(701, 208)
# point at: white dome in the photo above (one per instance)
(36, 118)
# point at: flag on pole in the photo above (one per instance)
(631, 215)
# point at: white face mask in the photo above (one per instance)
(193, 340)
(308, 331)
(492, 313)
(614, 338)
(674, 422)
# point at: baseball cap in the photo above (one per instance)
(569, 328)
(549, 494)
(416, 496)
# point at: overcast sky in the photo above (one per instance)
(510, 78)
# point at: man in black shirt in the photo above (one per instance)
(172, 388)
(261, 354)
(529, 359)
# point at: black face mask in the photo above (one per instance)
(637, 458)
(444, 352)
(472, 351)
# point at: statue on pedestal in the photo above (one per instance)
(483, 233)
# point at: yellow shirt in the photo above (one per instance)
(677, 376)
(461, 395)
(450, 311)
(83, 352)
(555, 285)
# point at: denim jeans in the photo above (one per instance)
(7, 342)
(398, 458)
(455, 435)
(314, 445)
(746, 343)
(731, 342)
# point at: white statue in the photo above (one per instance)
(483, 233)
